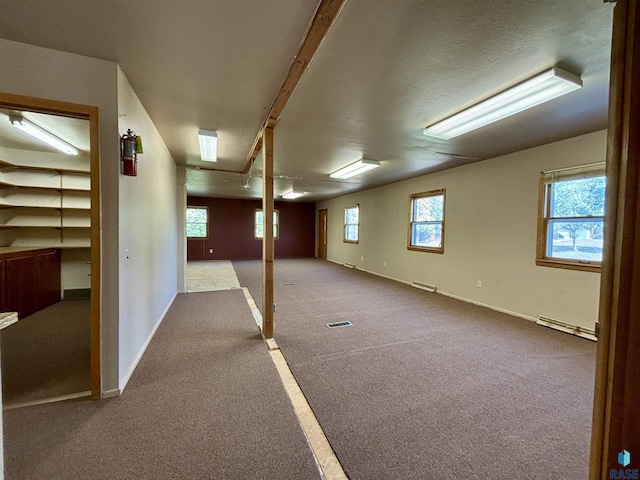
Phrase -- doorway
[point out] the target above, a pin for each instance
(50, 229)
(322, 234)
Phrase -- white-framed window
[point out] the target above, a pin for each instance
(258, 224)
(571, 209)
(426, 222)
(197, 220)
(351, 232)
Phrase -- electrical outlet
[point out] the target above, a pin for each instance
(127, 256)
(385, 263)
(479, 283)
(362, 259)
(211, 250)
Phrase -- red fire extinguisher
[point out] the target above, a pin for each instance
(128, 154)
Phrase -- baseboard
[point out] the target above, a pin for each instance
(134, 364)
(77, 294)
(457, 297)
(485, 305)
(60, 398)
(386, 276)
(114, 392)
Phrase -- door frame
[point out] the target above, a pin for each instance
(323, 216)
(90, 113)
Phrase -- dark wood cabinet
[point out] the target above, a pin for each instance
(30, 280)
(49, 280)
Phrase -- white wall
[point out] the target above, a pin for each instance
(490, 234)
(44, 73)
(148, 234)
(75, 268)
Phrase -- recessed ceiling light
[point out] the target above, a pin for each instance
(356, 168)
(534, 91)
(208, 145)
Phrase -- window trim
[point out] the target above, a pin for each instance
(198, 207)
(412, 198)
(544, 215)
(344, 227)
(277, 213)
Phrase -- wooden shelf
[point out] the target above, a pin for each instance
(6, 205)
(23, 184)
(4, 165)
(57, 227)
(6, 185)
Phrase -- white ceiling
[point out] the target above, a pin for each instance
(386, 70)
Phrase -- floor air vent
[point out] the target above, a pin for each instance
(339, 324)
(349, 265)
(287, 284)
(424, 286)
(567, 327)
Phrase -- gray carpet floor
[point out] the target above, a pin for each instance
(423, 386)
(205, 402)
(47, 354)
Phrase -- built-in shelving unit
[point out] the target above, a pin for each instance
(44, 206)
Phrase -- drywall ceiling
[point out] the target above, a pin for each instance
(386, 70)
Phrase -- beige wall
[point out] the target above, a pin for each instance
(44, 73)
(148, 232)
(490, 216)
(138, 214)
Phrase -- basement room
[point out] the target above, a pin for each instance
(324, 239)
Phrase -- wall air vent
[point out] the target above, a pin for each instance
(567, 327)
(424, 286)
(339, 324)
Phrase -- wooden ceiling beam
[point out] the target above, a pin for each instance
(320, 25)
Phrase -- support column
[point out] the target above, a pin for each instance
(267, 238)
(616, 414)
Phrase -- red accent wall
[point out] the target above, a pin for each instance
(231, 230)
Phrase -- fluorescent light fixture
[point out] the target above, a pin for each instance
(539, 89)
(356, 168)
(293, 194)
(41, 134)
(208, 145)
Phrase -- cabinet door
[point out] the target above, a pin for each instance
(21, 285)
(49, 282)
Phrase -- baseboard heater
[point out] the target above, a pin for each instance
(424, 286)
(567, 328)
(349, 265)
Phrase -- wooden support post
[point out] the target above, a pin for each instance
(267, 237)
(616, 414)
(318, 29)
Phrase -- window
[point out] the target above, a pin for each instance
(197, 222)
(258, 224)
(426, 227)
(351, 224)
(571, 218)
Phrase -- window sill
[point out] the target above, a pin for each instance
(425, 249)
(354, 242)
(585, 267)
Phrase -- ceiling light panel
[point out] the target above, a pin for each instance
(534, 91)
(208, 140)
(43, 135)
(356, 168)
(292, 194)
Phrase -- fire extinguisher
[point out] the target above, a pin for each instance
(128, 154)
